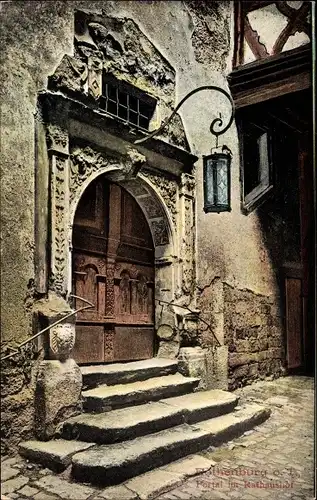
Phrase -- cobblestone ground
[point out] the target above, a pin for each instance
(274, 461)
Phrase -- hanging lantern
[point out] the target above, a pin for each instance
(217, 180)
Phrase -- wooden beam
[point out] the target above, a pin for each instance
(273, 90)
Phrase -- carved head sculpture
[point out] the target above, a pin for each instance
(62, 340)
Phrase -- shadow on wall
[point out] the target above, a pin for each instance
(282, 223)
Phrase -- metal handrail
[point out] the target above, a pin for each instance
(16, 349)
(192, 312)
(90, 305)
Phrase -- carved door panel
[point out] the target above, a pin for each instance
(113, 268)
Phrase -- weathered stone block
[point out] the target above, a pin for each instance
(217, 368)
(253, 370)
(168, 349)
(254, 345)
(273, 342)
(265, 309)
(254, 332)
(46, 312)
(242, 307)
(167, 318)
(274, 332)
(241, 371)
(243, 345)
(192, 363)
(264, 368)
(57, 395)
(238, 320)
(13, 484)
(275, 352)
(255, 320)
(8, 472)
(276, 310)
(262, 355)
(238, 359)
(12, 380)
(262, 344)
(241, 333)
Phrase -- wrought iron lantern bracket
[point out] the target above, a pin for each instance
(217, 122)
(217, 165)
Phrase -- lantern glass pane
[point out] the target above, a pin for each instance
(222, 181)
(209, 183)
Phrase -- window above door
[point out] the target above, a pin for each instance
(126, 102)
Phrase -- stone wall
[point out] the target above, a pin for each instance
(18, 376)
(194, 38)
(254, 336)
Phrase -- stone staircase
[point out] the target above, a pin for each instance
(139, 416)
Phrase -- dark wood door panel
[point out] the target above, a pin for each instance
(113, 268)
(133, 343)
(89, 344)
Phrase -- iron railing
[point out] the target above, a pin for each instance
(197, 313)
(90, 305)
(16, 349)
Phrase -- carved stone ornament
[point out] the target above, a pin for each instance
(85, 161)
(71, 74)
(134, 164)
(60, 221)
(109, 337)
(188, 244)
(168, 190)
(95, 77)
(188, 185)
(160, 232)
(62, 340)
(57, 138)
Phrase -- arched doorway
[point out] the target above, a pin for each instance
(113, 267)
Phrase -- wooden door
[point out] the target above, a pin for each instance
(299, 283)
(113, 267)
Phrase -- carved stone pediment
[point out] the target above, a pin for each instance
(126, 53)
(117, 47)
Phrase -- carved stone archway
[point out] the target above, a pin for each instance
(166, 199)
(159, 220)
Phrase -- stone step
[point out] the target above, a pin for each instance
(151, 484)
(122, 373)
(115, 463)
(105, 398)
(129, 423)
(55, 454)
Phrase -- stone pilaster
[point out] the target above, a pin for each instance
(187, 233)
(58, 149)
